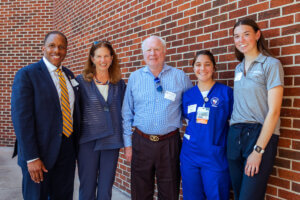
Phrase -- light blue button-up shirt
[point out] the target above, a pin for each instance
(149, 110)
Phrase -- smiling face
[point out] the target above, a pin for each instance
(154, 53)
(245, 39)
(204, 68)
(55, 49)
(102, 59)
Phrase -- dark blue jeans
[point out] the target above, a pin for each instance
(241, 140)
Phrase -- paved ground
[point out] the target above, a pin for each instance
(11, 177)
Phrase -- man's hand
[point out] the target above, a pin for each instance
(128, 153)
(36, 169)
(253, 162)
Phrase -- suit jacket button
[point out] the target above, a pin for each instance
(60, 134)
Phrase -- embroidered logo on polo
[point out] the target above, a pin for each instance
(214, 101)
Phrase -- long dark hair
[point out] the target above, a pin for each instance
(90, 69)
(209, 54)
(261, 43)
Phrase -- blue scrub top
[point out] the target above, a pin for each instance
(205, 144)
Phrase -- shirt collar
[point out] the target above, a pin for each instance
(165, 68)
(49, 65)
(260, 59)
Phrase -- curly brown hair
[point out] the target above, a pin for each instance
(114, 70)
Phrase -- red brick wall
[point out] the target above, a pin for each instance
(23, 25)
(187, 26)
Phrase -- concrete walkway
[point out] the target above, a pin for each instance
(11, 179)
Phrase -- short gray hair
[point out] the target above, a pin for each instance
(152, 37)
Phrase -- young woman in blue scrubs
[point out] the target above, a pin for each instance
(254, 130)
(207, 108)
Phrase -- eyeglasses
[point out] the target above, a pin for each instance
(158, 85)
(53, 46)
(102, 41)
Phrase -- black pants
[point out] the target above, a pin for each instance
(58, 182)
(241, 140)
(160, 159)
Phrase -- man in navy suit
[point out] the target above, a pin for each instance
(46, 154)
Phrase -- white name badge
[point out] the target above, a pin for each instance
(202, 115)
(74, 82)
(238, 76)
(257, 72)
(187, 136)
(187, 121)
(192, 108)
(170, 95)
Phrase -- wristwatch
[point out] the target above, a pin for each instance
(258, 149)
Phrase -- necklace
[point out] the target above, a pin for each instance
(101, 83)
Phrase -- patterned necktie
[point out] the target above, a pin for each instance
(65, 105)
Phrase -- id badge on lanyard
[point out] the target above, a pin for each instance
(202, 113)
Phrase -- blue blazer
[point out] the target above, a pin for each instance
(36, 114)
(101, 120)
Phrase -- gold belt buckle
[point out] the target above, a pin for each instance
(154, 138)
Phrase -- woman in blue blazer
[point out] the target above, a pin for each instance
(101, 97)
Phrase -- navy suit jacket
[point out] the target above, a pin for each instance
(36, 114)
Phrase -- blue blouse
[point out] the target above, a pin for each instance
(101, 120)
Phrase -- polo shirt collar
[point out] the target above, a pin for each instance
(261, 58)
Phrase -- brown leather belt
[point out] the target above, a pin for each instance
(156, 138)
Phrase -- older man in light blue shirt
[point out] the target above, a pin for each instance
(152, 105)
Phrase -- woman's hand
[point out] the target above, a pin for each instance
(253, 163)
(274, 103)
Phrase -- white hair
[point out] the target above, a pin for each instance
(154, 37)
